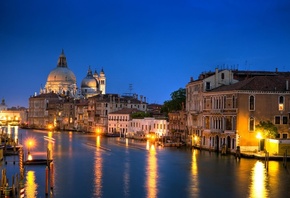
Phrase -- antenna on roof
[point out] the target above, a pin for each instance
(130, 87)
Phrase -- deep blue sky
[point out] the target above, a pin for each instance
(155, 45)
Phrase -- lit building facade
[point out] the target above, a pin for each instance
(100, 106)
(228, 114)
(118, 121)
(148, 125)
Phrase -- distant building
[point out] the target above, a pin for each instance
(118, 121)
(3, 106)
(146, 125)
(100, 106)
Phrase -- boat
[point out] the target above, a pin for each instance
(50, 139)
(112, 134)
(37, 162)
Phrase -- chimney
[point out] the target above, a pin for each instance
(287, 85)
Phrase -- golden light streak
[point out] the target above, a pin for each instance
(152, 173)
(98, 169)
(194, 173)
(258, 181)
(31, 186)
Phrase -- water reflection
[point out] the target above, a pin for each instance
(151, 171)
(98, 166)
(31, 186)
(259, 180)
(126, 174)
(194, 174)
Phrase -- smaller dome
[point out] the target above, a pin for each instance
(89, 81)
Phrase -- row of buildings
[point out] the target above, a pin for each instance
(222, 108)
(60, 105)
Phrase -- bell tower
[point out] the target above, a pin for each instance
(102, 81)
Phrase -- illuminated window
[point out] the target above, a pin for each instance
(252, 103)
(252, 124)
(281, 103)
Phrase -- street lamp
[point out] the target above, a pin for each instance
(30, 143)
(259, 137)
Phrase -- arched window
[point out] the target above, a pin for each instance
(281, 103)
(252, 103)
(281, 100)
(251, 124)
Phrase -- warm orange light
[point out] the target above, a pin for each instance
(50, 126)
(30, 143)
(259, 136)
(29, 157)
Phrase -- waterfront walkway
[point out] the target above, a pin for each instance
(263, 155)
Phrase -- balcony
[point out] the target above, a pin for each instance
(216, 111)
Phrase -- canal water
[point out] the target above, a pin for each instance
(87, 166)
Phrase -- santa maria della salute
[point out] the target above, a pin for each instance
(62, 105)
(61, 80)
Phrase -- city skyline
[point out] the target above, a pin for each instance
(155, 45)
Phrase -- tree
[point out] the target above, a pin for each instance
(268, 129)
(140, 115)
(176, 103)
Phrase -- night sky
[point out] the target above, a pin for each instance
(155, 45)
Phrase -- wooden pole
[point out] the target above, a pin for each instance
(46, 180)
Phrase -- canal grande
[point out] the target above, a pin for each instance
(86, 165)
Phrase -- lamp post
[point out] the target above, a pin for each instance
(259, 137)
(29, 144)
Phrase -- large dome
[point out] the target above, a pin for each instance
(61, 74)
(61, 79)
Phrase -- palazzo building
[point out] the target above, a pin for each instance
(224, 112)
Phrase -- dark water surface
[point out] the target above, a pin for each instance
(89, 166)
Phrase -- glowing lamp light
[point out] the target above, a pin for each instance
(259, 136)
(49, 126)
(29, 158)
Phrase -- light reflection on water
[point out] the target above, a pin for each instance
(31, 186)
(126, 171)
(98, 169)
(194, 174)
(259, 181)
(151, 171)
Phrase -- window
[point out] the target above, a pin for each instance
(281, 100)
(228, 123)
(222, 76)
(285, 135)
(207, 86)
(277, 119)
(285, 120)
(225, 102)
(252, 103)
(206, 122)
(251, 124)
(281, 103)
